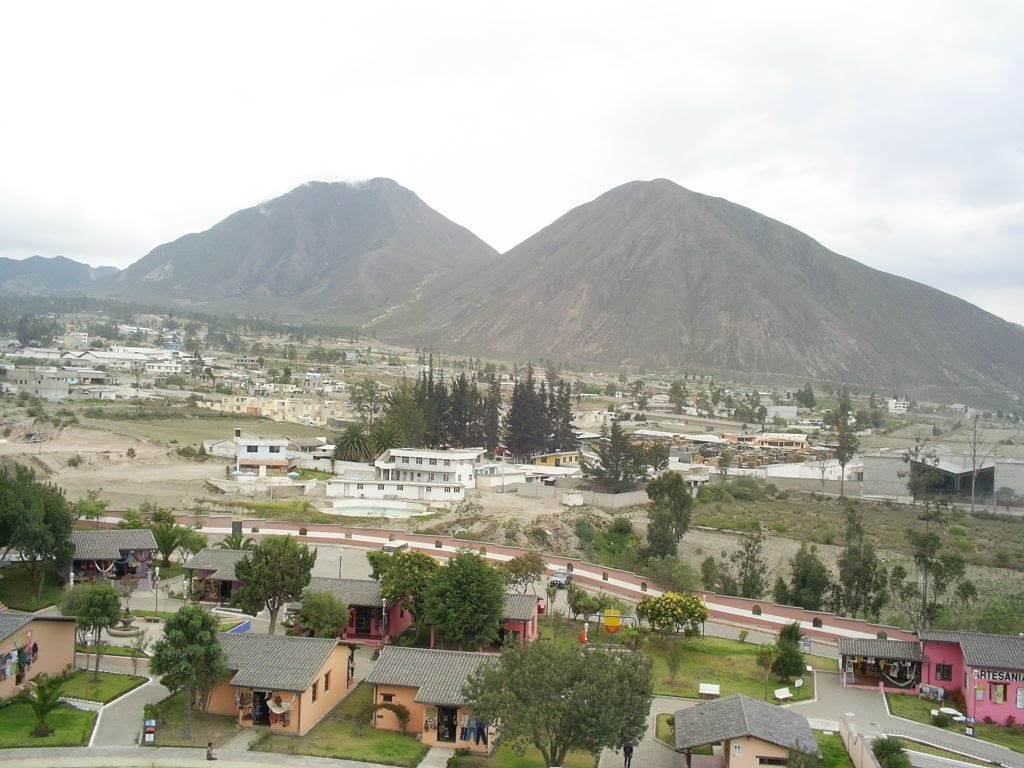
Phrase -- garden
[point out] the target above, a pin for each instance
(912, 708)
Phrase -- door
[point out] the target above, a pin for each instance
(447, 719)
(362, 620)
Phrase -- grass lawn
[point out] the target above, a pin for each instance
(504, 757)
(345, 733)
(18, 589)
(112, 650)
(913, 708)
(165, 615)
(833, 751)
(169, 717)
(224, 626)
(82, 685)
(71, 727)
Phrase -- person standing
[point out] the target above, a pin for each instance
(627, 754)
(209, 751)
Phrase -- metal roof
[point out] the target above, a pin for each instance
(518, 607)
(110, 543)
(902, 650)
(439, 675)
(351, 592)
(275, 662)
(221, 561)
(737, 716)
(981, 650)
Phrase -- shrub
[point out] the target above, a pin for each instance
(942, 720)
(744, 635)
(621, 525)
(74, 461)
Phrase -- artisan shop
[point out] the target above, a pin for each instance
(896, 664)
(284, 682)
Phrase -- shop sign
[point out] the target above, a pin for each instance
(999, 676)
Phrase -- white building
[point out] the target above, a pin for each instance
(421, 465)
(437, 494)
(898, 406)
(261, 454)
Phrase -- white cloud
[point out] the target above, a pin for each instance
(891, 133)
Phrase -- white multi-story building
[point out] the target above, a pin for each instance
(898, 406)
(422, 465)
(262, 454)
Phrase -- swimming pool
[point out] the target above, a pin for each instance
(364, 508)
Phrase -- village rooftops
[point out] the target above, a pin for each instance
(221, 561)
(518, 607)
(981, 650)
(275, 662)
(12, 621)
(439, 676)
(109, 544)
(362, 592)
(737, 716)
(894, 650)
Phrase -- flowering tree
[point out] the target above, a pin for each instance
(673, 612)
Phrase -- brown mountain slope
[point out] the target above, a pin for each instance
(350, 250)
(651, 273)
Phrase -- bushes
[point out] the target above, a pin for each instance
(890, 753)
(942, 720)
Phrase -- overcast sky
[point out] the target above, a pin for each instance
(893, 133)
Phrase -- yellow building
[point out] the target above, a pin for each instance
(557, 459)
(31, 645)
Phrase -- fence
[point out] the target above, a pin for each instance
(858, 745)
(591, 498)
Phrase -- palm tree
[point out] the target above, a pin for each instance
(236, 541)
(353, 444)
(767, 654)
(385, 435)
(43, 695)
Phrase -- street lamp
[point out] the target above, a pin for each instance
(340, 555)
(156, 587)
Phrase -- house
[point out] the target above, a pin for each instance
(416, 465)
(557, 459)
(373, 620)
(112, 552)
(213, 573)
(30, 645)
(896, 664)
(264, 455)
(429, 683)
(287, 683)
(898, 406)
(747, 733)
(518, 619)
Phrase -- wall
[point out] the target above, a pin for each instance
(56, 639)
(986, 706)
(750, 750)
(602, 500)
(858, 746)
(312, 712)
(943, 653)
(388, 721)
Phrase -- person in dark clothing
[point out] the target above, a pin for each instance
(209, 751)
(627, 754)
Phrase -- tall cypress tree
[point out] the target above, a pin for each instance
(492, 415)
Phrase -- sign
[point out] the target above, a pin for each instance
(612, 620)
(999, 676)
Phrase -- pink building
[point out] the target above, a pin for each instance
(518, 619)
(989, 669)
(373, 620)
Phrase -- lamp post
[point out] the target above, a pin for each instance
(156, 587)
(340, 556)
(383, 619)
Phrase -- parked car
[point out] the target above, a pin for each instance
(561, 579)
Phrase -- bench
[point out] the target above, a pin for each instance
(710, 690)
(783, 694)
(152, 619)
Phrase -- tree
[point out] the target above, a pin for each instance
(190, 541)
(492, 414)
(789, 662)
(672, 612)
(464, 601)
(92, 507)
(383, 436)
(42, 694)
(862, 579)
(353, 444)
(273, 573)
(810, 582)
(189, 658)
(847, 443)
(621, 465)
(522, 571)
(236, 541)
(752, 568)
(805, 397)
(559, 698)
(167, 537)
(99, 609)
(405, 579)
(921, 472)
(366, 399)
(579, 601)
(980, 452)
(404, 414)
(669, 512)
(767, 653)
(323, 614)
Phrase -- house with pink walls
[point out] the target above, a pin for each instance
(372, 619)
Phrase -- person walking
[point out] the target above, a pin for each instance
(209, 751)
(627, 754)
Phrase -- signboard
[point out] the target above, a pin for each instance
(999, 676)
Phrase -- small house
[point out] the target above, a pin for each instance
(213, 574)
(32, 644)
(112, 552)
(372, 618)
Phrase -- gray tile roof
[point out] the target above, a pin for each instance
(12, 621)
(980, 650)
(348, 591)
(439, 675)
(736, 716)
(903, 650)
(519, 607)
(275, 662)
(221, 561)
(108, 544)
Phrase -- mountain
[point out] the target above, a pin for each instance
(653, 274)
(57, 275)
(350, 250)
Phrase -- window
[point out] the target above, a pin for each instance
(405, 459)
(737, 749)
(419, 461)
(316, 690)
(944, 672)
(359, 486)
(387, 698)
(447, 462)
(400, 488)
(275, 449)
(447, 489)
(999, 693)
(251, 449)
(327, 681)
(431, 478)
(772, 760)
(433, 462)
(380, 487)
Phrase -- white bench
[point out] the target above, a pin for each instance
(711, 690)
(783, 694)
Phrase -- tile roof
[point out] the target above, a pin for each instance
(275, 662)
(221, 561)
(348, 591)
(12, 621)
(519, 607)
(737, 716)
(903, 650)
(981, 650)
(439, 675)
(107, 544)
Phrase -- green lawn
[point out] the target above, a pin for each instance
(71, 727)
(224, 626)
(913, 708)
(112, 650)
(346, 734)
(833, 751)
(82, 685)
(165, 615)
(219, 729)
(18, 590)
(504, 757)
